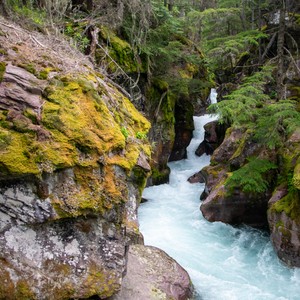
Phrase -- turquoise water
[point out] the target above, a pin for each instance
(224, 262)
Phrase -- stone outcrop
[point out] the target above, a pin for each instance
(184, 127)
(72, 168)
(152, 274)
(234, 206)
(213, 136)
(197, 178)
(284, 206)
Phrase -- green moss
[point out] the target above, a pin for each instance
(279, 224)
(100, 282)
(31, 115)
(43, 74)
(5, 139)
(290, 204)
(81, 126)
(29, 67)
(160, 84)
(121, 53)
(14, 158)
(2, 51)
(140, 178)
(159, 176)
(2, 70)
(241, 144)
(23, 291)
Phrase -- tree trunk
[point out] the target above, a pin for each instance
(243, 15)
(89, 5)
(171, 5)
(280, 53)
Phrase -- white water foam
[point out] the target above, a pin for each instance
(224, 262)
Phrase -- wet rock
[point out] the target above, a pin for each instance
(196, 178)
(285, 237)
(184, 127)
(235, 208)
(152, 274)
(213, 137)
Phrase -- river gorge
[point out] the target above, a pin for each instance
(224, 262)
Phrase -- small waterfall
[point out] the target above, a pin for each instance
(213, 96)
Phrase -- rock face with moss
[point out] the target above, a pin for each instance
(227, 196)
(73, 161)
(284, 206)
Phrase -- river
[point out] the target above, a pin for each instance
(224, 262)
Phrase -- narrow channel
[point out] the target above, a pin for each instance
(224, 262)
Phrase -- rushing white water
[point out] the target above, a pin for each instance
(224, 262)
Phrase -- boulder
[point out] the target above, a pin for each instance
(284, 224)
(235, 209)
(196, 178)
(285, 237)
(213, 137)
(152, 274)
(235, 206)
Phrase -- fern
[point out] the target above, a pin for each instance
(250, 178)
(275, 122)
(241, 106)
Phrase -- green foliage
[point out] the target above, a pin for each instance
(290, 204)
(250, 178)
(275, 122)
(241, 107)
(250, 107)
(77, 33)
(5, 140)
(36, 15)
(225, 51)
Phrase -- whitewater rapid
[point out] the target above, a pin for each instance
(224, 262)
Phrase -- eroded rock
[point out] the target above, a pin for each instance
(152, 274)
(213, 137)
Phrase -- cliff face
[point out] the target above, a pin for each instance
(73, 162)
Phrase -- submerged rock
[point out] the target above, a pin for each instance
(152, 274)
